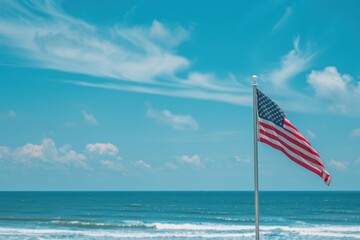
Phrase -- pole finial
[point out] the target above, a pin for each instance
(254, 78)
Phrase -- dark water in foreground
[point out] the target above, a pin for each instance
(178, 215)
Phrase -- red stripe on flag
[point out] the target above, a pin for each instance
(297, 142)
(296, 132)
(295, 151)
(280, 148)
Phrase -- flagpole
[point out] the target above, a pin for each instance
(256, 179)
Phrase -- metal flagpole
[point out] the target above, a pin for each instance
(256, 180)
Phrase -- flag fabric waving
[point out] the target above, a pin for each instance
(275, 129)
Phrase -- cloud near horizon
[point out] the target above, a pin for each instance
(102, 148)
(240, 159)
(143, 164)
(112, 165)
(338, 164)
(48, 153)
(191, 160)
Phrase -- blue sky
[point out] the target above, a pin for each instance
(157, 95)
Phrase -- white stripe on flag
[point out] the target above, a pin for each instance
(295, 146)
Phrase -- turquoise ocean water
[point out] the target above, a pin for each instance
(178, 215)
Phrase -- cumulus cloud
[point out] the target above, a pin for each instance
(338, 164)
(102, 148)
(46, 151)
(29, 151)
(106, 154)
(176, 121)
(89, 117)
(193, 160)
(140, 58)
(143, 164)
(112, 165)
(340, 91)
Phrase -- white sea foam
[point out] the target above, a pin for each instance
(223, 227)
(229, 219)
(318, 231)
(202, 227)
(170, 230)
(49, 233)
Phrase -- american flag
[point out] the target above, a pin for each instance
(275, 129)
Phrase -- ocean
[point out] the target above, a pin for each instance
(178, 215)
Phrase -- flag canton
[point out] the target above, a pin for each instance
(269, 110)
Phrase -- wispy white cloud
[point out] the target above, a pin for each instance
(176, 121)
(59, 41)
(311, 133)
(143, 164)
(355, 132)
(340, 91)
(5, 152)
(136, 58)
(11, 114)
(171, 166)
(238, 97)
(89, 117)
(208, 137)
(278, 81)
(283, 19)
(293, 63)
(192, 160)
(338, 164)
(161, 33)
(242, 160)
(69, 124)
